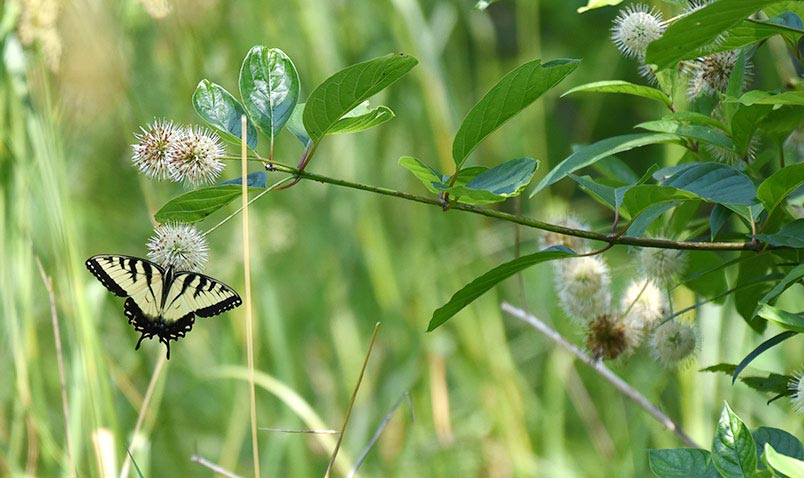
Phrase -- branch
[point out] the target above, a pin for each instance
(611, 239)
(598, 366)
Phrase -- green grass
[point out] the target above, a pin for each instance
(490, 396)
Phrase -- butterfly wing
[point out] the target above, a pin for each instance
(125, 276)
(192, 293)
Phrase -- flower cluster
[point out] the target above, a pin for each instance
(180, 246)
(183, 154)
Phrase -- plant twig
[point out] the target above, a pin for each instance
(146, 400)
(293, 430)
(405, 396)
(60, 360)
(352, 401)
(255, 449)
(212, 466)
(598, 366)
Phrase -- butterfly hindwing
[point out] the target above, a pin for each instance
(161, 303)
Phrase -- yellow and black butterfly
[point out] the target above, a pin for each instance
(160, 302)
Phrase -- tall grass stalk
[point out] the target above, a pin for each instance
(255, 449)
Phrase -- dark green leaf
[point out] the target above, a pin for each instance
(781, 121)
(343, 91)
(744, 124)
(684, 37)
(704, 274)
(752, 267)
(196, 205)
(782, 318)
(624, 87)
(503, 181)
(616, 169)
(222, 112)
(269, 86)
(715, 182)
(771, 342)
(790, 235)
(589, 154)
(746, 33)
(647, 217)
(773, 383)
(717, 219)
(783, 464)
(257, 179)
(733, 449)
(362, 118)
(780, 440)
(470, 292)
(682, 463)
(760, 97)
(775, 189)
(691, 131)
(727, 368)
(639, 198)
(516, 90)
(603, 193)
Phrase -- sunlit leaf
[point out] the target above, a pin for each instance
(775, 189)
(423, 172)
(792, 277)
(759, 97)
(269, 86)
(222, 112)
(624, 87)
(783, 463)
(733, 449)
(780, 440)
(362, 118)
(782, 318)
(516, 90)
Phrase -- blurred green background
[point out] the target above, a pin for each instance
(490, 396)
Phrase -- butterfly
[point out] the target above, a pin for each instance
(161, 302)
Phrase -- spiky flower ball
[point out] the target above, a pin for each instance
(194, 157)
(644, 303)
(634, 29)
(662, 265)
(610, 337)
(556, 239)
(711, 74)
(797, 387)
(674, 343)
(180, 246)
(150, 152)
(583, 285)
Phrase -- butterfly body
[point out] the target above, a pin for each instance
(161, 302)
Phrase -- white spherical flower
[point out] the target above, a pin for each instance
(194, 157)
(180, 246)
(662, 265)
(645, 304)
(608, 337)
(149, 154)
(634, 29)
(583, 285)
(711, 74)
(557, 239)
(674, 343)
(797, 387)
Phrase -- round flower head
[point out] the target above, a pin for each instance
(673, 343)
(634, 28)
(556, 239)
(195, 157)
(180, 246)
(711, 74)
(662, 265)
(583, 285)
(796, 386)
(609, 337)
(149, 154)
(645, 305)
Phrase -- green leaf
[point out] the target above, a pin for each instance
(775, 189)
(781, 121)
(639, 198)
(504, 181)
(684, 37)
(782, 463)
(516, 90)
(296, 125)
(714, 182)
(759, 350)
(780, 440)
(485, 282)
(346, 89)
(682, 463)
(589, 154)
(717, 219)
(790, 235)
(222, 112)
(727, 368)
(423, 172)
(744, 124)
(691, 131)
(759, 97)
(782, 318)
(269, 86)
(792, 277)
(196, 205)
(773, 383)
(593, 4)
(257, 179)
(601, 192)
(362, 118)
(624, 87)
(733, 449)
(752, 266)
(747, 33)
(704, 274)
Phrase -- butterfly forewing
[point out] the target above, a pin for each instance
(128, 276)
(198, 294)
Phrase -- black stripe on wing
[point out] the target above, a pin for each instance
(100, 264)
(156, 326)
(201, 289)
